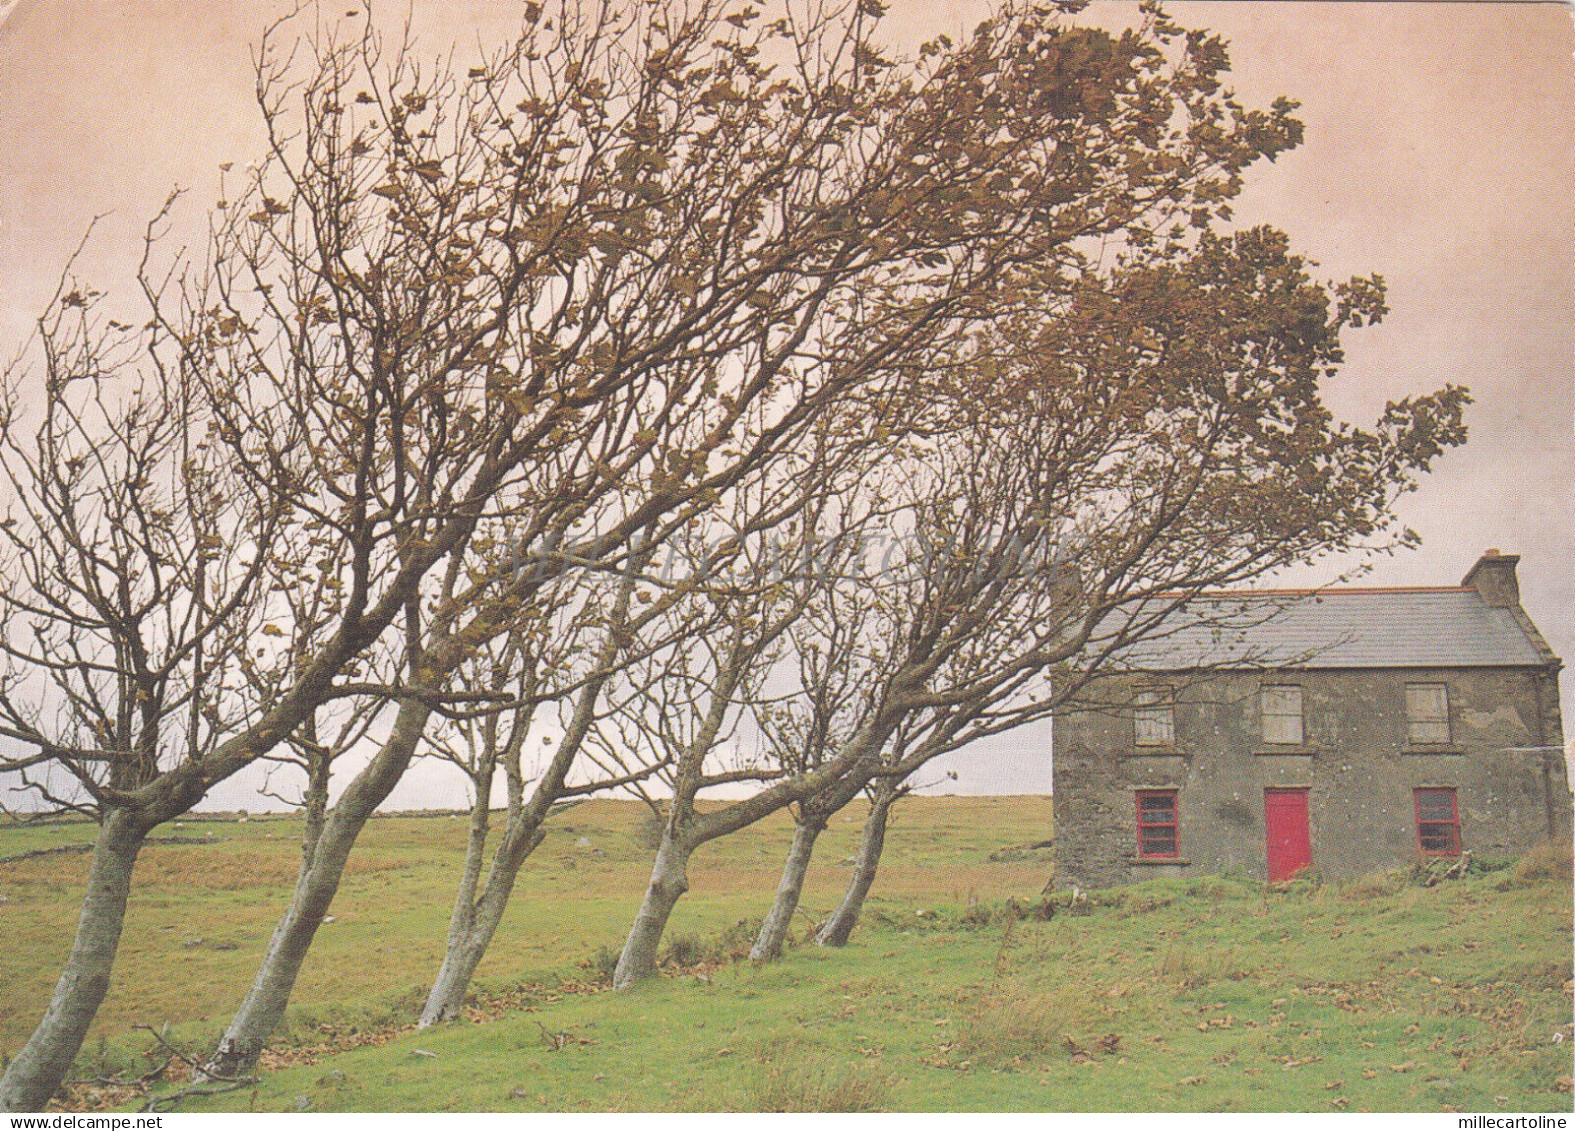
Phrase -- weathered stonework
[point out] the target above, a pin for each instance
(1503, 759)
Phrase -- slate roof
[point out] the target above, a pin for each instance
(1341, 628)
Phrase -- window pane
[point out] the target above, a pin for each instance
(1157, 806)
(1435, 811)
(1155, 726)
(1427, 713)
(1439, 838)
(1427, 702)
(1437, 822)
(1157, 842)
(1282, 701)
(1156, 823)
(1282, 728)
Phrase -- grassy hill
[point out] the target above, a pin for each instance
(1212, 994)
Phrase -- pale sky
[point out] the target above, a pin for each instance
(1440, 153)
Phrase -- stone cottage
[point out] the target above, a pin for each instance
(1333, 732)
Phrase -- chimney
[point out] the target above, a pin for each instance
(1494, 578)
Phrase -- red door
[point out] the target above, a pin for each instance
(1285, 819)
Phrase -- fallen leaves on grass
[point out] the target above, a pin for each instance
(1289, 1062)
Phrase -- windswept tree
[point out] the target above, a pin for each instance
(569, 676)
(789, 538)
(138, 562)
(1093, 470)
(837, 689)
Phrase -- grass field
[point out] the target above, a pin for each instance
(1208, 995)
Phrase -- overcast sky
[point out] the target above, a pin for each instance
(1440, 153)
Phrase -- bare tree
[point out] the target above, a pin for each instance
(614, 634)
(803, 732)
(137, 564)
(1161, 436)
(836, 930)
(789, 537)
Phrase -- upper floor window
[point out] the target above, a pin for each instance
(1437, 822)
(1154, 719)
(1156, 824)
(1426, 713)
(1281, 707)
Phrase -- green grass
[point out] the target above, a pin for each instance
(1206, 995)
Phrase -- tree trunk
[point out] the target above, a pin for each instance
(669, 881)
(315, 888)
(774, 930)
(443, 1002)
(319, 771)
(475, 922)
(835, 931)
(669, 878)
(36, 1073)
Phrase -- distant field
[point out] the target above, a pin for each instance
(1216, 994)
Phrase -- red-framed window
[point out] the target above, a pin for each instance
(1156, 824)
(1437, 822)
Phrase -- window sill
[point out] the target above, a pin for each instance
(1159, 861)
(1425, 751)
(1299, 750)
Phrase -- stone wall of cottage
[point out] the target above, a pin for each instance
(1355, 761)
